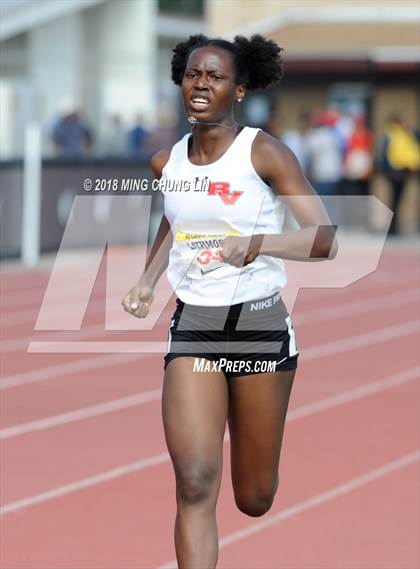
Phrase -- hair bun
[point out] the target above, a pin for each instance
(261, 61)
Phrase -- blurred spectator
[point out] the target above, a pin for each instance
(114, 140)
(296, 140)
(325, 145)
(400, 157)
(70, 136)
(138, 137)
(358, 168)
(358, 158)
(345, 125)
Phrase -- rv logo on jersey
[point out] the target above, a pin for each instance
(222, 189)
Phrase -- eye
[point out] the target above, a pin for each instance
(191, 74)
(217, 77)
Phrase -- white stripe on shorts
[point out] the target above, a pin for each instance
(292, 340)
(168, 349)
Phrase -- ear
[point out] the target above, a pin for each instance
(240, 92)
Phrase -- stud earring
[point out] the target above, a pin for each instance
(239, 100)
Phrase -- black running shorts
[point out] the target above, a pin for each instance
(242, 339)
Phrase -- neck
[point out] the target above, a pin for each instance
(210, 141)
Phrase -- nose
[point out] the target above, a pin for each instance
(201, 83)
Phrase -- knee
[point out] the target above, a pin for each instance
(195, 483)
(256, 502)
(255, 506)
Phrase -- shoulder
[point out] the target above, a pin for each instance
(159, 161)
(161, 158)
(270, 153)
(264, 142)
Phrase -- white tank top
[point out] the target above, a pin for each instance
(203, 205)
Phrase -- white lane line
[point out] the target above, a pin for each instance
(293, 415)
(98, 346)
(83, 413)
(361, 341)
(370, 388)
(358, 306)
(155, 394)
(327, 313)
(22, 316)
(86, 482)
(21, 343)
(25, 316)
(128, 347)
(16, 344)
(19, 296)
(25, 297)
(346, 344)
(60, 370)
(323, 497)
(314, 501)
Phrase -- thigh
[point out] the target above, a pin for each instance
(257, 413)
(194, 409)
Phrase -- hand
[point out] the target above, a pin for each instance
(137, 302)
(241, 251)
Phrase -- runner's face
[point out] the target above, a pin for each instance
(208, 86)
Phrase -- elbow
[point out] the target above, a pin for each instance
(325, 252)
(326, 244)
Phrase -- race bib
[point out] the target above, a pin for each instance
(204, 252)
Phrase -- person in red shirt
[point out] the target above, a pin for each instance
(358, 168)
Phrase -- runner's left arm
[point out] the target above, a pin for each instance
(315, 240)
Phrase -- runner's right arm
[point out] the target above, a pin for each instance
(158, 258)
(138, 300)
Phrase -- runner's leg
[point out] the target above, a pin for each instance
(257, 412)
(194, 407)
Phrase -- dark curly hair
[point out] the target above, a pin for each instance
(258, 61)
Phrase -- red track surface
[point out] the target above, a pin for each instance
(92, 486)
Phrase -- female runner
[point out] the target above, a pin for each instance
(232, 354)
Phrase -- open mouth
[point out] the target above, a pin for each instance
(199, 103)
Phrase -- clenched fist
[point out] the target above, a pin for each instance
(137, 302)
(240, 251)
